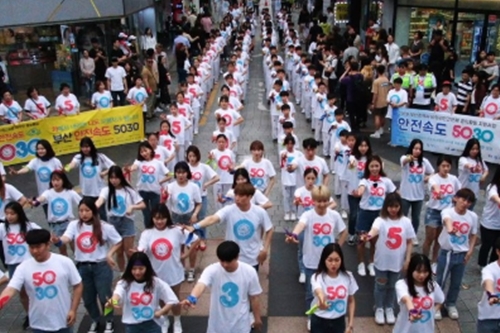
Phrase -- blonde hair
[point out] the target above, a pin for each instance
(321, 193)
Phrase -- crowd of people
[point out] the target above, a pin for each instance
(172, 194)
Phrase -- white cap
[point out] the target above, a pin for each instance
(122, 35)
(132, 37)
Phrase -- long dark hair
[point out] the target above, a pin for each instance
(86, 141)
(142, 259)
(359, 141)
(115, 171)
(22, 219)
(496, 180)
(372, 158)
(95, 221)
(327, 250)
(419, 261)
(243, 173)
(163, 212)
(409, 151)
(468, 147)
(50, 151)
(61, 175)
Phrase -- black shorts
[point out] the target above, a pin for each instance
(380, 112)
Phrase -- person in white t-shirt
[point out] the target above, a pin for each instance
(222, 129)
(310, 160)
(47, 278)
(61, 198)
(334, 288)
(223, 161)
(10, 110)
(392, 254)
(179, 126)
(490, 222)
(144, 298)
(117, 82)
(96, 243)
(397, 98)
(235, 289)
(446, 101)
(261, 170)
(457, 241)
(418, 296)
(168, 140)
(101, 99)
(288, 179)
(488, 317)
(415, 173)
(36, 106)
(490, 106)
(443, 187)
(241, 176)
(66, 103)
(472, 170)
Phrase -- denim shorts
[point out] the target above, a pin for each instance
(433, 218)
(149, 326)
(181, 218)
(365, 219)
(59, 228)
(12, 269)
(123, 225)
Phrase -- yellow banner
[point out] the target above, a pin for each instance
(107, 127)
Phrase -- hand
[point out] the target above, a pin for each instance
(261, 258)
(111, 261)
(467, 257)
(71, 318)
(291, 239)
(349, 329)
(158, 314)
(193, 219)
(323, 304)
(54, 239)
(188, 228)
(492, 300)
(257, 324)
(414, 315)
(12, 171)
(130, 210)
(186, 304)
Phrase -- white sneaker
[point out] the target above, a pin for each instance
(177, 325)
(344, 214)
(452, 312)
(93, 327)
(434, 267)
(389, 316)
(381, 131)
(302, 278)
(166, 325)
(309, 325)
(415, 242)
(371, 269)
(437, 315)
(293, 217)
(362, 272)
(287, 217)
(190, 275)
(333, 172)
(110, 327)
(351, 241)
(375, 135)
(379, 316)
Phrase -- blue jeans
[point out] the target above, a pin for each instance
(450, 264)
(353, 213)
(488, 326)
(300, 254)
(309, 292)
(385, 291)
(416, 208)
(151, 199)
(365, 219)
(149, 326)
(62, 330)
(97, 279)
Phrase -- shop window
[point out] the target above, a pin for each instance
(490, 5)
(426, 20)
(430, 3)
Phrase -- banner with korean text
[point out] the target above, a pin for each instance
(446, 133)
(106, 127)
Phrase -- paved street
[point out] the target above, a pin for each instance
(283, 296)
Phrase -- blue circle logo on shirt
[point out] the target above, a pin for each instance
(183, 202)
(44, 174)
(104, 101)
(243, 230)
(140, 97)
(395, 99)
(59, 207)
(120, 205)
(88, 170)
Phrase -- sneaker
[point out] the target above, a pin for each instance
(415, 242)
(287, 217)
(333, 172)
(110, 327)
(302, 278)
(26, 323)
(371, 269)
(351, 241)
(190, 275)
(389, 316)
(379, 316)
(94, 327)
(293, 217)
(177, 325)
(343, 214)
(362, 271)
(381, 131)
(166, 325)
(437, 315)
(375, 135)
(452, 312)
(309, 325)
(434, 267)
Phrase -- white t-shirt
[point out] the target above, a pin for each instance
(116, 76)
(138, 96)
(43, 170)
(466, 224)
(102, 100)
(486, 311)
(11, 194)
(140, 306)
(37, 108)
(230, 115)
(491, 107)
(355, 174)
(164, 249)
(150, 173)
(305, 197)
(230, 297)
(185, 108)
(339, 127)
(397, 97)
(179, 125)
(491, 210)
(329, 118)
(337, 291)
(390, 249)
(424, 302)
(14, 245)
(260, 172)
(60, 205)
(319, 231)
(67, 105)
(168, 142)
(224, 160)
(374, 195)
(87, 248)
(200, 175)
(289, 178)
(446, 103)
(412, 179)
(124, 197)
(448, 187)
(91, 181)
(11, 111)
(182, 199)
(47, 285)
(341, 160)
(469, 177)
(246, 228)
(318, 163)
(2, 170)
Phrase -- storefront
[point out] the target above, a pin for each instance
(469, 25)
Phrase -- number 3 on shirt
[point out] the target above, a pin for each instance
(230, 296)
(394, 238)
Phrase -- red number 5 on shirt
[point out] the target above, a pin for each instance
(394, 240)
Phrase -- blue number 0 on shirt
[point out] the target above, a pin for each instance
(230, 296)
